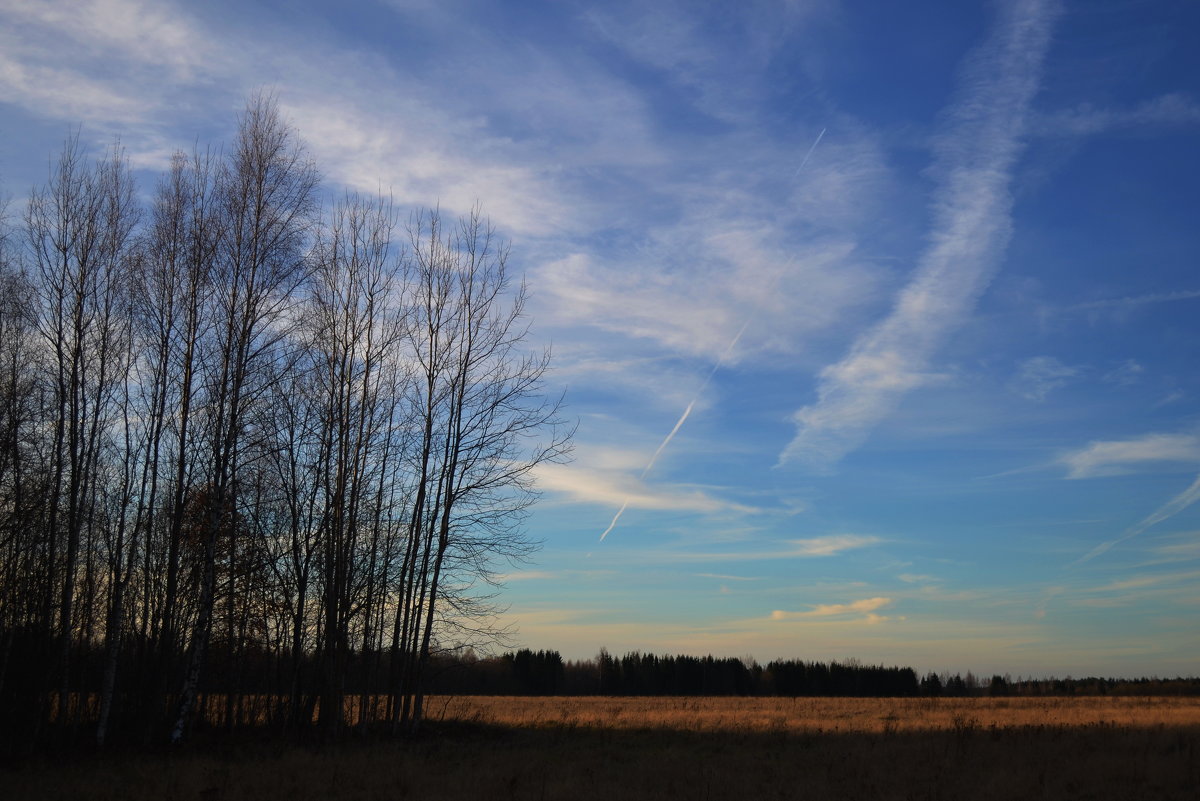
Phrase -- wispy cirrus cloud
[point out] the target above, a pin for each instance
(972, 211)
(672, 37)
(690, 286)
(584, 485)
(131, 31)
(1163, 589)
(119, 69)
(1154, 580)
(517, 132)
(526, 575)
(832, 545)
(865, 608)
(32, 85)
(125, 67)
(1120, 457)
(1039, 376)
(108, 64)
(1122, 308)
(1126, 374)
(526, 132)
(1183, 551)
(809, 548)
(1173, 109)
(415, 152)
(916, 578)
(728, 577)
(549, 575)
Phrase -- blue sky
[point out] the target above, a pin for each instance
(923, 276)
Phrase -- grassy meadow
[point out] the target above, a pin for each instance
(694, 748)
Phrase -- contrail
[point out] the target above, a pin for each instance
(663, 444)
(617, 517)
(1169, 509)
(809, 153)
(678, 423)
(721, 361)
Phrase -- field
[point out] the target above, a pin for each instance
(694, 748)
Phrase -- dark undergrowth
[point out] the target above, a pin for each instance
(470, 761)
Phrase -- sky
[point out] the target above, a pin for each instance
(910, 288)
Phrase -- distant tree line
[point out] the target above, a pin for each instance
(545, 672)
(258, 452)
(527, 672)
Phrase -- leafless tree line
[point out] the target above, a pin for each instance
(259, 457)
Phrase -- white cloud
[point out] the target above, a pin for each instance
(119, 68)
(543, 575)
(525, 131)
(133, 68)
(1036, 378)
(585, 485)
(1184, 551)
(972, 209)
(1175, 110)
(1119, 457)
(813, 548)
(668, 36)
(1161, 589)
(1173, 396)
(1122, 308)
(728, 577)
(1141, 582)
(695, 284)
(66, 91)
(526, 575)
(423, 156)
(112, 32)
(1125, 374)
(832, 545)
(866, 607)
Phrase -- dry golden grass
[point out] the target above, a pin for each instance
(815, 715)
(613, 749)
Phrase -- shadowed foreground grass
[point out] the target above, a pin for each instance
(969, 757)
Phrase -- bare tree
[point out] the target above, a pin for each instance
(20, 414)
(173, 315)
(267, 195)
(78, 229)
(251, 466)
(355, 332)
(483, 416)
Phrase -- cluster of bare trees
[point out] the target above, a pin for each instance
(258, 457)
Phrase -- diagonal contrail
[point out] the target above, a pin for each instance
(616, 517)
(679, 423)
(804, 161)
(721, 361)
(663, 444)
(1169, 509)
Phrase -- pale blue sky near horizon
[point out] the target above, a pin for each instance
(938, 258)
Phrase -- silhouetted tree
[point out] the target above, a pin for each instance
(253, 463)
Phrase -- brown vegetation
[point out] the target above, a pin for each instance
(607, 748)
(818, 715)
